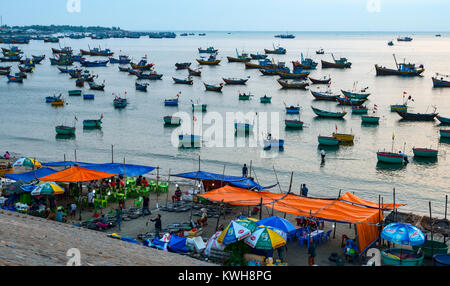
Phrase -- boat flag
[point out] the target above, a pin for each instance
(375, 107)
(336, 127)
(393, 136)
(194, 118)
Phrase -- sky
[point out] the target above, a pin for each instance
(234, 15)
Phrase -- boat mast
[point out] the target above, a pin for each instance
(396, 64)
(333, 57)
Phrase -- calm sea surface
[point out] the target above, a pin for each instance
(27, 123)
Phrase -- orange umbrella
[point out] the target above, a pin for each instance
(76, 174)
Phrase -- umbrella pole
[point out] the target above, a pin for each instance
(334, 228)
(260, 208)
(395, 212)
(167, 194)
(157, 186)
(379, 217)
(220, 211)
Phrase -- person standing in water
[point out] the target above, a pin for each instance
(322, 154)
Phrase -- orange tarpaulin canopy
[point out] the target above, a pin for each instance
(76, 174)
(351, 198)
(366, 218)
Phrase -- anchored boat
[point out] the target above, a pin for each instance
(341, 63)
(328, 114)
(265, 99)
(324, 80)
(327, 140)
(324, 95)
(389, 157)
(425, 152)
(370, 119)
(403, 69)
(417, 116)
(294, 84)
(93, 123)
(172, 120)
(188, 80)
(141, 86)
(65, 130)
(182, 66)
(235, 80)
(210, 87)
(440, 80)
(120, 102)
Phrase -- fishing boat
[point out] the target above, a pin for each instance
(211, 61)
(244, 96)
(5, 68)
(417, 116)
(328, 114)
(341, 63)
(349, 101)
(25, 69)
(182, 66)
(120, 102)
(327, 140)
(342, 137)
(294, 84)
(61, 61)
(141, 86)
(370, 119)
(262, 64)
(209, 50)
(38, 59)
(305, 63)
(293, 124)
(265, 99)
(443, 120)
(389, 157)
(324, 95)
(285, 36)
(240, 58)
(320, 52)
(88, 96)
(77, 58)
(65, 130)
(79, 82)
(123, 60)
(243, 127)
(65, 50)
(95, 86)
(292, 109)
(188, 80)
(273, 143)
(97, 52)
(92, 123)
(276, 51)
(172, 120)
(425, 152)
(445, 133)
(324, 80)
(258, 56)
(57, 102)
(440, 80)
(362, 94)
(400, 107)
(404, 39)
(134, 72)
(11, 59)
(402, 69)
(192, 72)
(51, 40)
(12, 78)
(199, 107)
(189, 140)
(171, 102)
(123, 69)
(75, 92)
(150, 76)
(235, 80)
(12, 50)
(269, 71)
(390, 43)
(85, 63)
(296, 74)
(211, 87)
(4, 72)
(359, 109)
(142, 65)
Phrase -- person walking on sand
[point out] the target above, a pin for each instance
(311, 252)
(304, 190)
(119, 217)
(158, 224)
(145, 206)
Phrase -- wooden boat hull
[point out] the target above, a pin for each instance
(65, 130)
(96, 86)
(344, 137)
(194, 73)
(443, 120)
(319, 81)
(444, 133)
(209, 63)
(210, 87)
(350, 102)
(275, 52)
(322, 96)
(417, 116)
(286, 84)
(238, 60)
(235, 82)
(391, 158)
(440, 83)
(57, 103)
(182, 81)
(359, 110)
(328, 141)
(354, 95)
(92, 123)
(171, 102)
(182, 66)
(88, 96)
(149, 76)
(385, 71)
(172, 120)
(370, 119)
(293, 75)
(326, 64)
(294, 124)
(258, 56)
(327, 114)
(424, 152)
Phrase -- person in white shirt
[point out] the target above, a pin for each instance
(322, 154)
(91, 199)
(73, 209)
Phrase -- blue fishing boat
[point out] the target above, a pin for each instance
(209, 50)
(123, 60)
(402, 69)
(341, 63)
(171, 102)
(353, 94)
(425, 152)
(188, 80)
(12, 78)
(149, 76)
(440, 80)
(53, 98)
(359, 109)
(349, 101)
(77, 58)
(235, 80)
(141, 86)
(88, 96)
(328, 114)
(120, 102)
(211, 87)
(276, 51)
(305, 63)
(93, 123)
(292, 109)
(417, 116)
(324, 95)
(390, 43)
(404, 39)
(94, 63)
(182, 66)
(296, 74)
(258, 56)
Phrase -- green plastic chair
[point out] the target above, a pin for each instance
(138, 202)
(152, 185)
(104, 203)
(163, 187)
(97, 202)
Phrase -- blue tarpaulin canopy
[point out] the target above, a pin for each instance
(241, 182)
(118, 169)
(30, 176)
(66, 164)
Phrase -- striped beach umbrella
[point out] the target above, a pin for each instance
(27, 162)
(234, 232)
(265, 238)
(403, 233)
(47, 188)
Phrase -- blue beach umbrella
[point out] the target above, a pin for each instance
(403, 233)
(278, 222)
